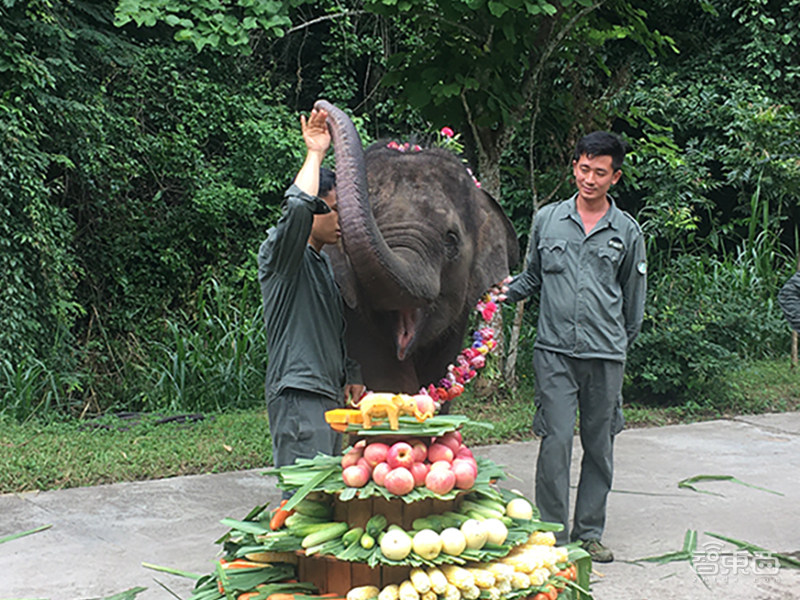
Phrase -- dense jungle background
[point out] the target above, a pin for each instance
(146, 145)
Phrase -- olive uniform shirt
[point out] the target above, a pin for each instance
(303, 309)
(592, 287)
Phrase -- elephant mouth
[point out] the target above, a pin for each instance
(406, 329)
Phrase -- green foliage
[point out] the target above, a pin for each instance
(224, 25)
(703, 318)
(212, 361)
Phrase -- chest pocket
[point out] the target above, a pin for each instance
(609, 259)
(553, 254)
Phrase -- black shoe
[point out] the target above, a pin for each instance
(597, 551)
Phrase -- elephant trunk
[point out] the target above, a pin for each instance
(391, 281)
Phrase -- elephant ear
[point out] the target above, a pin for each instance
(343, 273)
(497, 245)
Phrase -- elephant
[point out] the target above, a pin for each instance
(420, 244)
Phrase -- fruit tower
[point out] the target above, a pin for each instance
(406, 513)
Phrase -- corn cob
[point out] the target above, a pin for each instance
(539, 576)
(420, 580)
(520, 581)
(458, 576)
(438, 580)
(471, 593)
(542, 538)
(390, 592)
(494, 593)
(429, 595)
(484, 578)
(408, 591)
(451, 593)
(364, 592)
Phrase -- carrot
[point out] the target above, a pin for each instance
(280, 596)
(241, 563)
(279, 516)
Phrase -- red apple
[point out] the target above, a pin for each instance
(375, 452)
(363, 462)
(400, 454)
(425, 404)
(400, 481)
(420, 449)
(355, 476)
(438, 452)
(465, 474)
(441, 464)
(419, 470)
(473, 464)
(451, 439)
(440, 481)
(351, 457)
(379, 472)
(464, 452)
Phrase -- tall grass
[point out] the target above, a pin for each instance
(212, 360)
(209, 359)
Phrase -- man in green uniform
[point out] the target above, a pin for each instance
(308, 370)
(587, 264)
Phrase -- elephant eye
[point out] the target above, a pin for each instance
(452, 244)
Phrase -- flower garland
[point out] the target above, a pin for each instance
(472, 358)
(447, 139)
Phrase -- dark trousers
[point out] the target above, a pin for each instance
(298, 428)
(564, 386)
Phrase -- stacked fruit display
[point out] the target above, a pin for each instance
(440, 464)
(438, 529)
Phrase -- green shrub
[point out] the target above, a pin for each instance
(702, 318)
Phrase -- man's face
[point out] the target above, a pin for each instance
(325, 229)
(594, 176)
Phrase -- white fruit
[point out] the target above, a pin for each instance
(453, 541)
(519, 508)
(427, 543)
(396, 544)
(475, 534)
(497, 532)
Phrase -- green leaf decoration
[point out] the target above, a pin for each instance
(689, 481)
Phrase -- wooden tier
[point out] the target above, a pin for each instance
(332, 575)
(357, 512)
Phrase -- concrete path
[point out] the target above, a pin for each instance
(99, 537)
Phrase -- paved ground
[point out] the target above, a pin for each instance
(100, 536)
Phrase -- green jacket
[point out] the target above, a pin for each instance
(591, 287)
(303, 309)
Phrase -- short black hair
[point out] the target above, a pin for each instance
(602, 143)
(327, 181)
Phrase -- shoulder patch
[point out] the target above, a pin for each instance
(642, 267)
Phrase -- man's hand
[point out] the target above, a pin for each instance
(315, 131)
(353, 393)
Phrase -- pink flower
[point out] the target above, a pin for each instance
(447, 132)
(488, 311)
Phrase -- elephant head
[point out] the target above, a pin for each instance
(420, 244)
